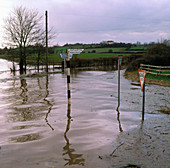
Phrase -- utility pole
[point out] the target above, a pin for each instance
(46, 21)
(68, 78)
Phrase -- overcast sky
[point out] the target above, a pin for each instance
(93, 21)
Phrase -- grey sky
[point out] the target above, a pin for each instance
(90, 21)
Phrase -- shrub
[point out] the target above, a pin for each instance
(110, 51)
(158, 55)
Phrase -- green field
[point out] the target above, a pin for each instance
(158, 77)
(90, 52)
(56, 58)
(138, 47)
(86, 54)
(96, 50)
(93, 53)
(101, 50)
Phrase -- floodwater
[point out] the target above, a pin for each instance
(38, 129)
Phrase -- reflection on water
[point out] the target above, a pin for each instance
(24, 90)
(23, 114)
(21, 105)
(27, 105)
(25, 138)
(74, 159)
(118, 119)
(48, 103)
(32, 110)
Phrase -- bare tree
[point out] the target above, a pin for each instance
(23, 27)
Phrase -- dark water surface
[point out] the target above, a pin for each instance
(38, 129)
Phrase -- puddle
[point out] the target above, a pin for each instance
(36, 119)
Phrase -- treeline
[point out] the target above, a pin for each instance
(29, 50)
(106, 45)
(158, 55)
(54, 49)
(100, 45)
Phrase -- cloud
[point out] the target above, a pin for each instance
(130, 15)
(98, 20)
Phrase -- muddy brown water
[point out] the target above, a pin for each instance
(39, 130)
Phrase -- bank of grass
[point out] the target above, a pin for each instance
(161, 71)
(158, 55)
(158, 77)
(150, 78)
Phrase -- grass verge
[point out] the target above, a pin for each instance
(150, 79)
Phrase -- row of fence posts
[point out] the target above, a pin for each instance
(142, 75)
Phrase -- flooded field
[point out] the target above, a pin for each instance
(40, 130)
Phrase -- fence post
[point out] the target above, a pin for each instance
(160, 70)
(142, 75)
(143, 107)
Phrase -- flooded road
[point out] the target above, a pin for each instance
(39, 129)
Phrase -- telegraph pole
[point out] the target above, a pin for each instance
(68, 78)
(46, 26)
